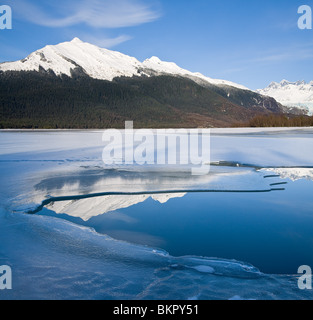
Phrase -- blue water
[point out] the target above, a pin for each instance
(273, 231)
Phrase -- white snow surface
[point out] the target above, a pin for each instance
(88, 208)
(159, 66)
(291, 94)
(99, 63)
(54, 259)
(294, 173)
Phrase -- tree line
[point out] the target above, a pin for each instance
(43, 100)
(281, 120)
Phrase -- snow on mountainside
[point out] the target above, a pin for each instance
(159, 66)
(100, 63)
(291, 94)
(88, 208)
(62, 58)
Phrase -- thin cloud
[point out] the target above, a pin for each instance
(274, 57)
(293, 55)
(285, 54)
(104, 42)
(93, 13)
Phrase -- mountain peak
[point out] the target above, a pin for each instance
(154, 59)
(99, 63)
(297, 83)
(291, 94)
(76, 40)
(273, 84)
(285, 82)
(301, 83)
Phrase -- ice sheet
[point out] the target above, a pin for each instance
(55, 259)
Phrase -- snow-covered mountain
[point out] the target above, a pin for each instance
(131, 90)
(159, 67)
(100, 63)
(291, 94)
(63, 58)
(88, 208)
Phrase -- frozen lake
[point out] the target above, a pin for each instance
(146, 232)
(273, 231)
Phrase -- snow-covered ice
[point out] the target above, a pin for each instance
(55, 259)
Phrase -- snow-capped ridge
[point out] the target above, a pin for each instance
(164, 67)
(291, 94)
(285, 82)
(76, 40)
(102, 64)
(153, 59)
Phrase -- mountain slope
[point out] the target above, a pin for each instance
(99, 63)
(292, 94)
(43, 100)
(78, 85)
(65, 57)
(155, 67)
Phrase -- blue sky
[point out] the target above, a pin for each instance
(246, 41)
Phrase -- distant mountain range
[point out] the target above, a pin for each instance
(293, 94)
(79, 85)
